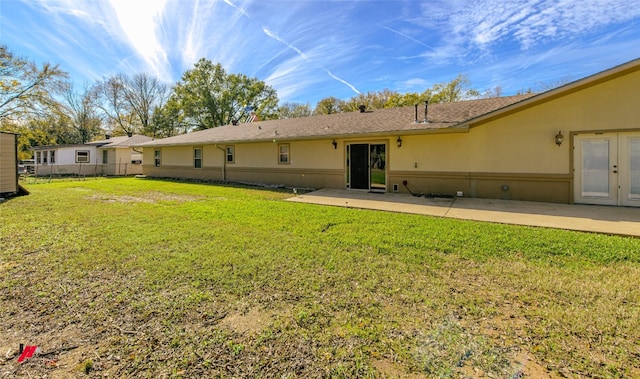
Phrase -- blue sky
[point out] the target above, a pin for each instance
(310, 49)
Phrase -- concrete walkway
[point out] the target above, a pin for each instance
(588, 218)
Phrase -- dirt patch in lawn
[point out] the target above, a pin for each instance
(250, 323)
(149, 197)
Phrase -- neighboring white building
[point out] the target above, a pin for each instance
(110, 156)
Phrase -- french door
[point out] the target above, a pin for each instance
(607, 169)
(366, 166)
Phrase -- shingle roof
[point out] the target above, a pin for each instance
(122, 141)
(375, 122)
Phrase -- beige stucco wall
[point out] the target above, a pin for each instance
(119, 162)
(432, 152)
(513, 156)
(312, 163)
(524, 142)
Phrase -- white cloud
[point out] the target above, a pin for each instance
(480, 26)
(139, 22)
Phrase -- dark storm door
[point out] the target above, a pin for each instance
(359, 166)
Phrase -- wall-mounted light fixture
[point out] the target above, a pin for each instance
(559, 138)
(335, 144)
(399, 141)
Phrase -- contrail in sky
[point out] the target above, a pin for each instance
(406, 36)
(271, 34)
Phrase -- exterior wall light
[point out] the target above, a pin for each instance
(335, 144)
(559, 138)
(399, 141)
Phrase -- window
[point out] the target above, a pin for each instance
(82, 156)
(105, 156)
(283, 154)
(38, 157)
(230, 154)
(156, 157)
(52, 157)
(44, 157)
(197, 157)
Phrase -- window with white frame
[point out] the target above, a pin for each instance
(52, 156)
(197, 157)
(38, 157)
(156, 157)
(82, 156)
(44, 156)
(283, 153)
(230, 154)
(105, 156)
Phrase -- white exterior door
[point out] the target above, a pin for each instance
(630, 170)
(607, 169)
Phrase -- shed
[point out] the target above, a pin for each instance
(8, 164)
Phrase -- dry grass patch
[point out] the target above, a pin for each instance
(187, 285)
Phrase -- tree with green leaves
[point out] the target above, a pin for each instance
(455, 90)
(328, 105)
(168, 120)
(293, 110)
(209, 97)
(26, 89)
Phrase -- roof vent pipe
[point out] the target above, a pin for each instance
(426, 105)
(129, 134)
(362, 108)
(107, 136)
(416, 121)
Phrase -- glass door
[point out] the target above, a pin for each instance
(630, 170)
(378, 171)
(359, 166)
(607, 169)
(367, 166)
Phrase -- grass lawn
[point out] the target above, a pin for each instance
(146, 278)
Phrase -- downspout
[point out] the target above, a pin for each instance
(224, 162)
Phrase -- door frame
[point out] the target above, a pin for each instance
(349, 161)
(619, 168)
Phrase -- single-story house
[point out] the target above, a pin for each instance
(8, 164)
(109, 156)
(578, 143)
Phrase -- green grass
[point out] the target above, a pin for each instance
(149, 278)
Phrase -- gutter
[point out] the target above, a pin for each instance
(453, 128)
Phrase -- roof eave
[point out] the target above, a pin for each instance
(453, 128)
(554, 93)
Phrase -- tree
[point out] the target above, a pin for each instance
(493, 92)
(82, 111)
(145, 94)
(168, 120)
(547, 86)
(403, 100)
(209, 97)
(371, 100)
(455, 90)
(111, 96)
(26, 89)
(328, 105)
(292, 110)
